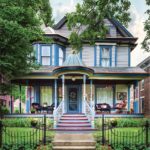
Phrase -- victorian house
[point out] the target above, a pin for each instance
(75, 82)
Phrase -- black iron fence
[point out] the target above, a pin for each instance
(24, 138)
(113, 136)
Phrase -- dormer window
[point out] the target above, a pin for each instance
(46, 58)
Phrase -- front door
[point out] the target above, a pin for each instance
(73, 103)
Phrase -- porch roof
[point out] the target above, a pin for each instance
(102, 73)
(97, 70)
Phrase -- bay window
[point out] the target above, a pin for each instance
(46, 55)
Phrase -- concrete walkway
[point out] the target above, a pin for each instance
(74, 141)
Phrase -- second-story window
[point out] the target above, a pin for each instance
(105, 59)
(45, 55)
(60, 57)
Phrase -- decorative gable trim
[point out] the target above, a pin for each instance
(121, 28)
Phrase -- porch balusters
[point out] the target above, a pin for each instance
(84, 93)
(63, 92)
(91, 93)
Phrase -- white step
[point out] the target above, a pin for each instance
(74, 125)
(73, 147)
(74, 121)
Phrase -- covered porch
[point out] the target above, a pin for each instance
(75, 88)
(72, 91)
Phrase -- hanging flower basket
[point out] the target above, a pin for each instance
(114, 123)
(34, 123)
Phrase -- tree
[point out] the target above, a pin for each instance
(90, 15)
(20, 26)
(146, 42)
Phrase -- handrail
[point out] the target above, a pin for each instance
(57, 113)
(90, 113)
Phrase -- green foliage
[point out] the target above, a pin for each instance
(16, 92)
(131, 147)
(122, 147)
(18, 147)
(20, 26)
(5, 110)
(122, 122)
(26, 147)
(25, 122)
(146, 42)
(90, 15)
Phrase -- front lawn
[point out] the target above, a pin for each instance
(127, 134)
(25, 137)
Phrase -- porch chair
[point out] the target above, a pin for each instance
(37, 107)
(51, 107)
(103, 107)
(120, 106)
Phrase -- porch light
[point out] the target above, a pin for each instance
(73, 78)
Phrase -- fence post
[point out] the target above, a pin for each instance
(1, 133)
(146, 132)
(44, 134)
(103, 128)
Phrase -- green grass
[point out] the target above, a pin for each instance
(25, 136)
(122, 136)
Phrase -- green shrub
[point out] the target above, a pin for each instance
(25, 122)
(122, 122)
(4, 110)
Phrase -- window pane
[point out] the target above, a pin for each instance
(105, 62)
(46, 95)
(60, 56)
(105, 95)
(45, 51)
(105, 53)
(45, 60)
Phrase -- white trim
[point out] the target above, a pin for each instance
(105, 44)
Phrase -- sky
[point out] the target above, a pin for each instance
(136, 26)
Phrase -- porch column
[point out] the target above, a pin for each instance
(30, 96)
(136, 95)
(55, 85)
(91, 91)
(84, 93)
(63, 93)
(129, 101)
(20, 98)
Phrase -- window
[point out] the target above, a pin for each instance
(142, 84)
(45, 55)
(104, 94)
(46, 95)
(60, 57)
(105, 57)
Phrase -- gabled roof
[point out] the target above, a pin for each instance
(60, 23)
(115, 22)
(121, 28)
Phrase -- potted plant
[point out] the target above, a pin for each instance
(34, 123)
(33, 111)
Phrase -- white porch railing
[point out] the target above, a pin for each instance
(57, 113)
(89, 113)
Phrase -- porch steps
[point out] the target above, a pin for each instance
(80, 141)
(74, 122)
